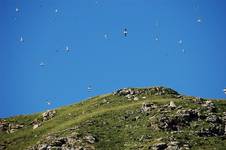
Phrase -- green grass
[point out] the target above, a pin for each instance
(112, 131)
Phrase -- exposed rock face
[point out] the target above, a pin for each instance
(172, 105)
(48, 115)
(213, 130)
(9, 127)
(75, 142)
(147, 107)
(209, 105)
(159, 146)
(129, 92)
(36, 125)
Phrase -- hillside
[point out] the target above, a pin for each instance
(128, 119)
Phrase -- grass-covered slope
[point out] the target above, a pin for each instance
(147, 118)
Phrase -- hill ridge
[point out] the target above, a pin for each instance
(129, 118)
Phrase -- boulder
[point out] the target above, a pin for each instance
(36, 125)
(172, 105)
(48, 115)
(213, 118)
(147, 107)
(90, 139)
(213, 130)
(136, 98)
(159, 146)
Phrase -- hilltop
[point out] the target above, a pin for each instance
(131, 118)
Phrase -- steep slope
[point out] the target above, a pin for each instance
(132, 118)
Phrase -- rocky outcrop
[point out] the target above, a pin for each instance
(147, 107)
(48, 115)
(9, 127)
(74, 141)
(133, 92)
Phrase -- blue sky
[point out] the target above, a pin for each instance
(175, 43)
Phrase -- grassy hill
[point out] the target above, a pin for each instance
(128, 119)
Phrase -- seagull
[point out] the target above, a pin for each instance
(180, 42)
(105, 36)
(21, 39)
(48, 102)
(156, 38)
(89, 88)
(199, 20)
(125, 32)
(17, 10)
(56, 10)
(67, 49)
(42, 64)
(224, 90)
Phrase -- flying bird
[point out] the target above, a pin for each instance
(48, 102)
(67, 49)
(125, 32)
(224, 90)
(89, 88)
(17, 10)
(42, 64)
(21, 39)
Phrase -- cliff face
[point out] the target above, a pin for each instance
(131, 118)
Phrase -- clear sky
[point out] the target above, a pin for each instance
(53, 50)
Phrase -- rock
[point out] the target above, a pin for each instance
(151, 91)
(4, 126)
(136, 98)
(173, 145)
(159, 146)
(36, 125)
(147, 107)
(177, 122)
(188, 114)
(90, 139)
(172, 105)
(2, 147)
(213, 130)
(9, 127)
(210, 106)
(213, 119)
(43, 147)
(59, 142)
(125, 91)
(129, 96)
(48, 115)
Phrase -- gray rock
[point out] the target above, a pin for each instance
(213, 119)
(172, 105)
(48, 115)
(159, 146)
(147, 107)
(90, 139)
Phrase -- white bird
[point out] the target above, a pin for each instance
(199, 20)
(21, 39)
(180, 42)
(42, 64)
(105, 36)
(56, 10)
(17, 10)
(156, 38)
(125, 32)
(224, 90)
(67, 49)
(89, 88)
(48, 102)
